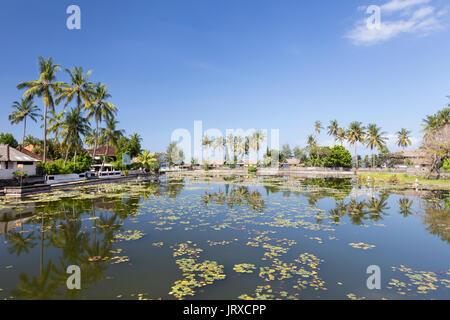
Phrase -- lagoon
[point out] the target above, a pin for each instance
(267, 238)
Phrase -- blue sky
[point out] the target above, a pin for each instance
(278, 64)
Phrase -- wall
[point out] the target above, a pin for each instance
(12, 166)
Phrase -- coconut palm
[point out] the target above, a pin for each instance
(256, 139)
(55, 122)
(147, 160)
(340, 135)
(79, 88)
(239, 145)
(317, 128)
(355, 134)
(46, 86)
(219, 143)
(73, 128)
(311, 142)
(207, 143)
(100, 109)
(110, 136)
(374, 139)
(23, 109)
(333, 129)
(403, 139)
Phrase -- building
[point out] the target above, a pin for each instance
(287, 163)
(12, 160)
(102, 151)
(416, 158)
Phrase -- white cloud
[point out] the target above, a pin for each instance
(399, 17)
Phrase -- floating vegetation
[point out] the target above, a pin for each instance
(352, 296)
(244, 268)
(186, 249)
(421, 282)
(158, 244)
(361, 245)
(129, 235)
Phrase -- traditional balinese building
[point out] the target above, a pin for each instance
(287, 163)
(103, 151)
(417, 158)
(12, 160)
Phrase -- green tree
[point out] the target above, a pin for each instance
(110, 136)
(286, 152)
(8, 138)
(340, 136)
(174, 154)
(44, 87)
(256, 140)
(99, 109)
(23, 110)
(355, 134)
(403, 138)
(73, 128)
(374, 139)
(80, 88)
(338, 157)
(333, 129)
(148, 161)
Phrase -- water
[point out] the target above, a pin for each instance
(180, 239)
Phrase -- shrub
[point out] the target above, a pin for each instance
(338, 157)
(125, 173)
(206, 167)
(393, 179)
(252, 169)
(83, 164)
(446, 165)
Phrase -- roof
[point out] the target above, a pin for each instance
(31, 154)
(213, 162)
(101, 151)
(8, 153)
(291, 161)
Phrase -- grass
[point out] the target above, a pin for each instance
(395, 178)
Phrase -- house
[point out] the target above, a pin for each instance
(29, 152)
(213, 163)
(12, 160)
(248, 162)
(101, 151)
(418, 158)
(287, 163)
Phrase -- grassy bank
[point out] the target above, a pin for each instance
(393, 178)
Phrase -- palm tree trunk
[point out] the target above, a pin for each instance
(67, 156)
(96, 138)
(24, 130)
(356, 157)
(45, 132)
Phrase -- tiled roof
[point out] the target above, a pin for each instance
(8, 153)
(102, 150)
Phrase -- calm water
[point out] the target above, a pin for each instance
(180, 239)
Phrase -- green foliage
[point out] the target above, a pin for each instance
(206, 167)
(83, 164)
(8, 138)
(446, 165)
(252, 169)
(338, 157)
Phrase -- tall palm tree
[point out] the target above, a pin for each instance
(256, 139)
(355, 134)
(74, 127)
(340, 135)
(239, 145)
(317, 128)
(311, 142)
(24, 109)
(374, 139)
(207, 143)
(110, 135)
(100, 109)
(333, 129)
(219, 143)
(403, 139)
(79, 88)
(55, 122)
(44, 87)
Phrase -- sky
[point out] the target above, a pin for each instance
(278, 64)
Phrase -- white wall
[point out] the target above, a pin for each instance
(12, 166)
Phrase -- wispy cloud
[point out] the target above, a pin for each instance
(398, 17)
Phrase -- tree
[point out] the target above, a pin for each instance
(311, 144)
(55, 122)
(355, 134)
(333, 129)
(299, 154)
(148, 161)
(8, 138)
(403, 139)
(99, 109)
(79, 88)
(256, 139)
(134, 145)
(174, 154)
(110, 136)
(74, 127)
(286, 152)
(23, 109)
(340, 136)
(207, 143)
(338, 157)
(44, 87)
(374, 139)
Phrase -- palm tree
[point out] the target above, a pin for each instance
(24, 109)
(311, 142)
(374, 139)
(355, 134)
(99, 109)
(403, 139)
(79, 88)
(340, 135)
(55, 122)
(318, 128)
(147, 160)
(239, 145)
(256, 139)
(333, 129)
(207, 143)
(110, 135)
(44, 87)
(219, 143)
(74, 126)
